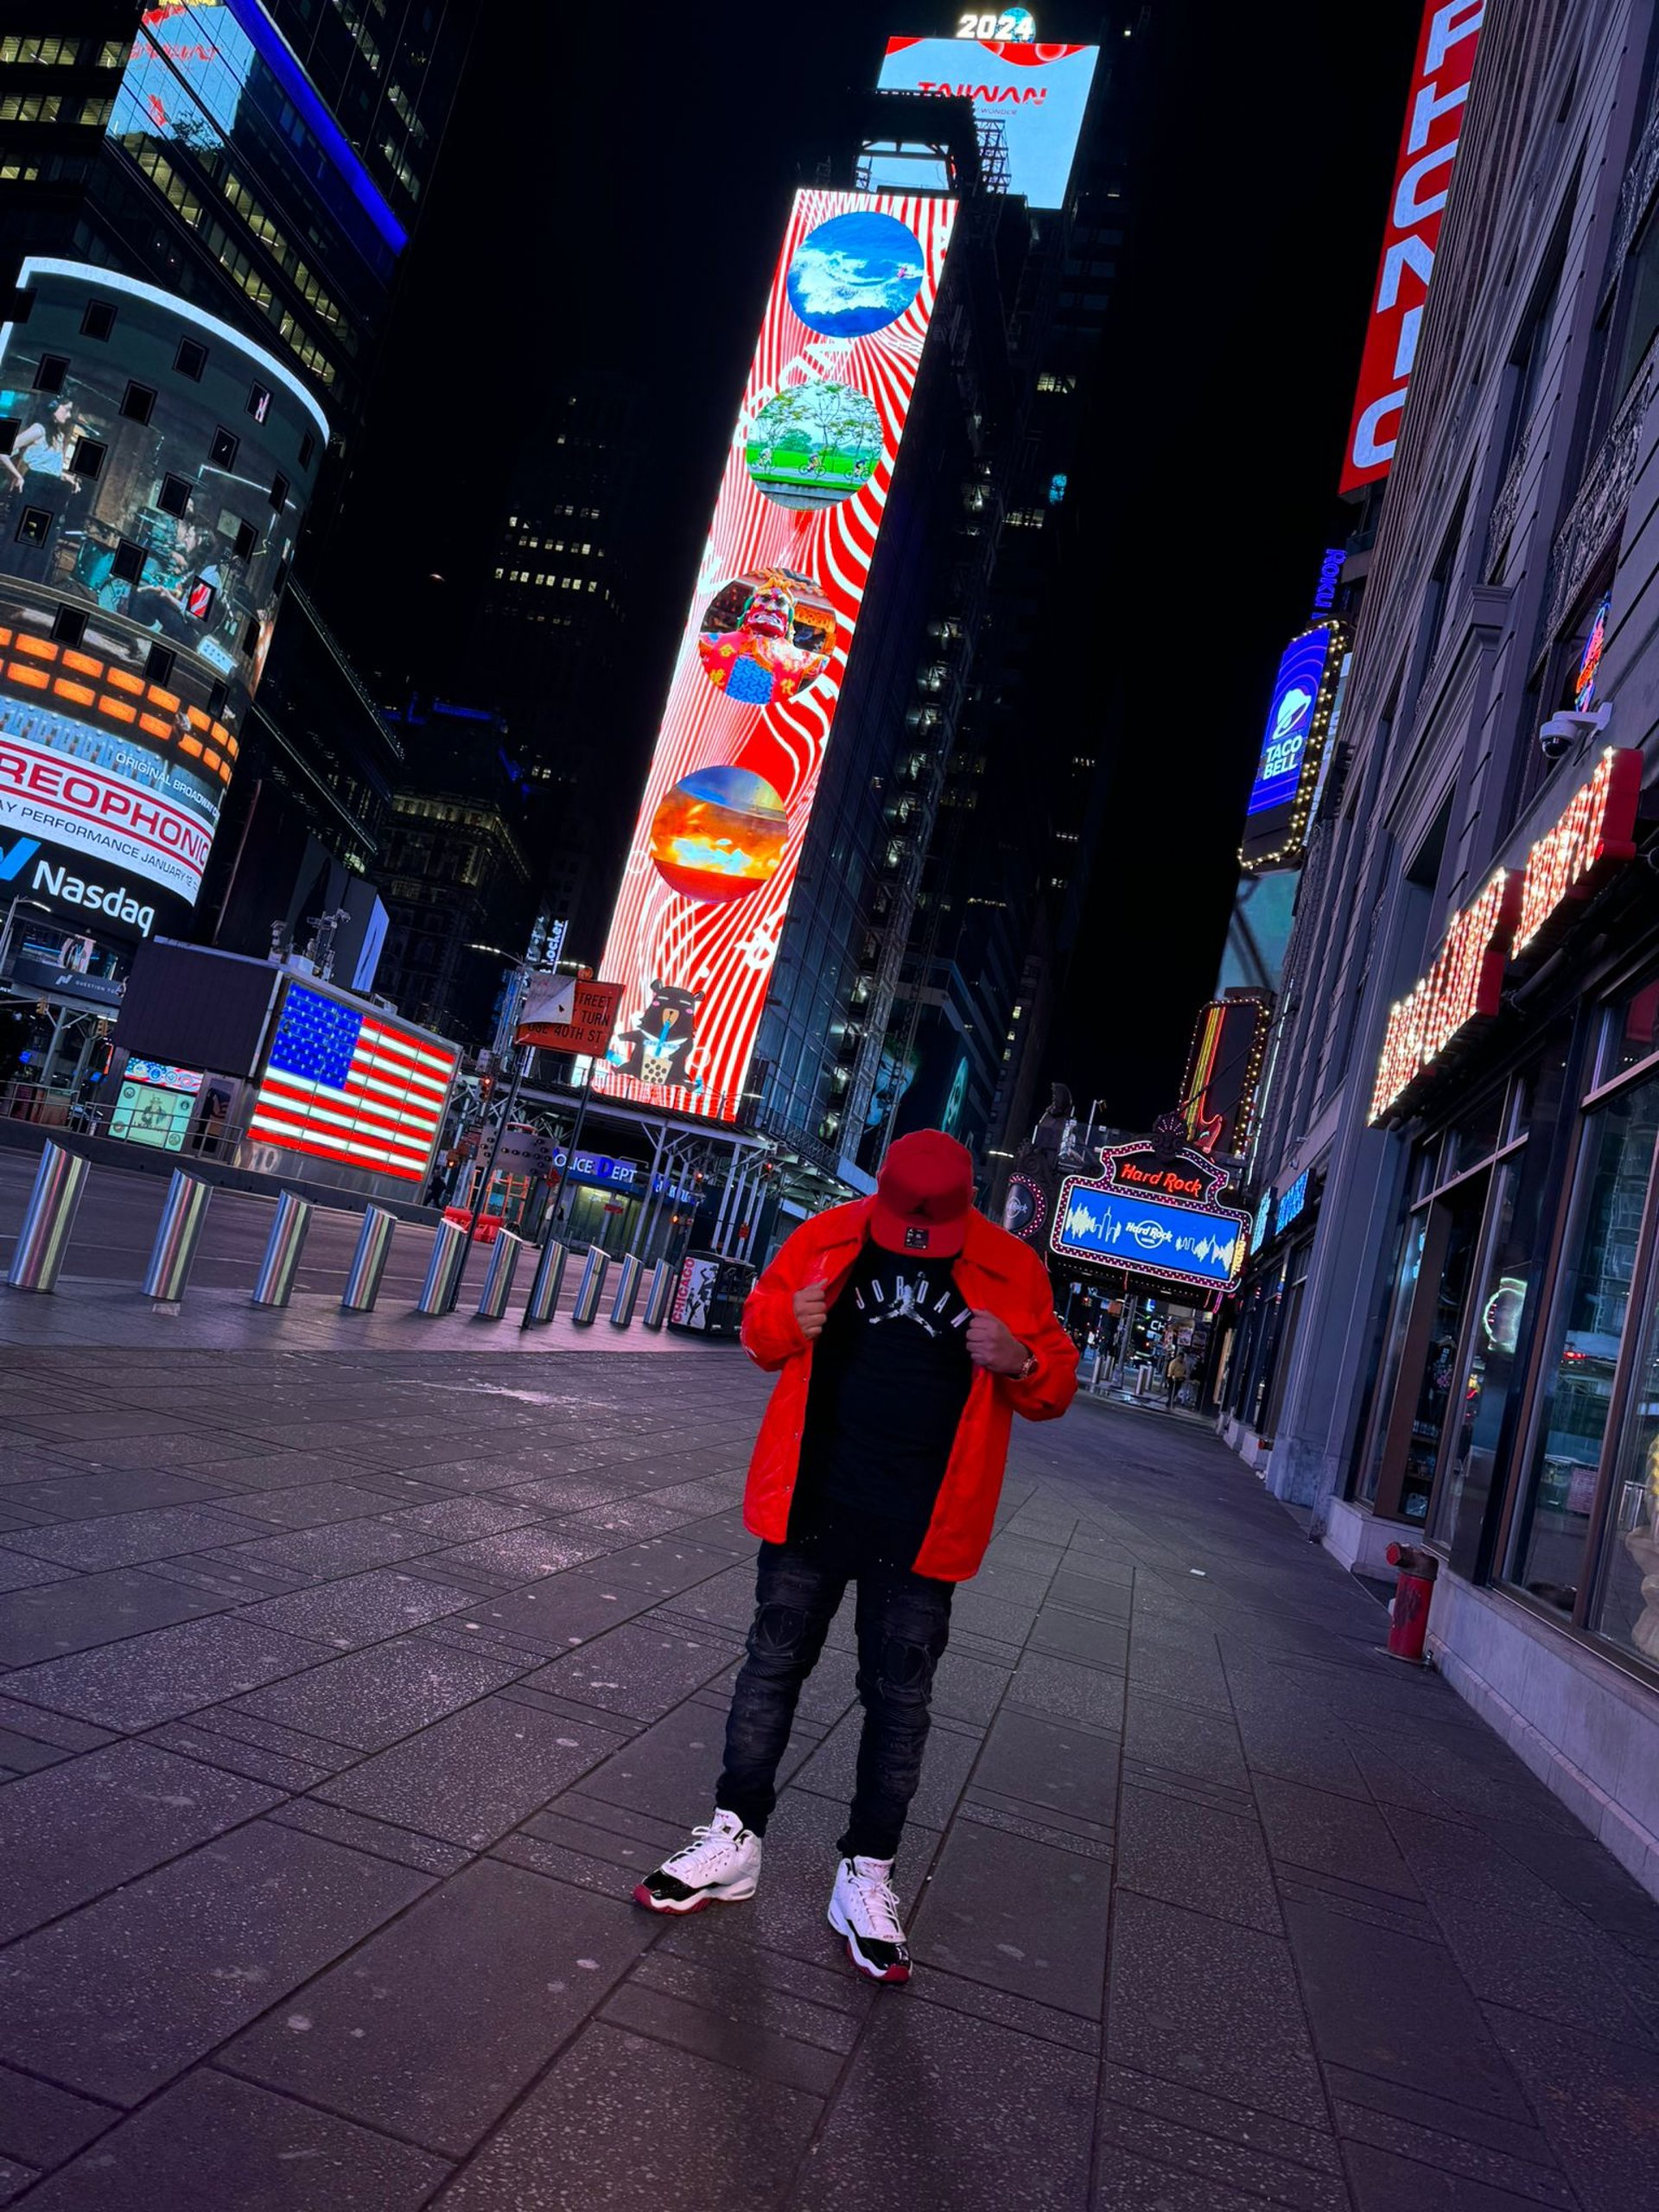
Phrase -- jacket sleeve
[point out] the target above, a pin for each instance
(1053, 1383)
(770, 1332)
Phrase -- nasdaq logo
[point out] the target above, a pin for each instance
(15, 857)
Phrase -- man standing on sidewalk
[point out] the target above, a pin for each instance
(907, 1330)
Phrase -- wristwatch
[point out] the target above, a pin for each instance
(1028, 1370)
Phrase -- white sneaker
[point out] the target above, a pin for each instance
(720, 1866)
(863, 1909)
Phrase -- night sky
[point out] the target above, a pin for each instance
(615, 205)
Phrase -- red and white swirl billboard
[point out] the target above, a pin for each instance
(695, 929)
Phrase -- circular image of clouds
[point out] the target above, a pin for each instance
(854, 274)
(766, 636)
(718, 835)
(812, 444)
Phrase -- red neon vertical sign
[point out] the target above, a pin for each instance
(1422, 177)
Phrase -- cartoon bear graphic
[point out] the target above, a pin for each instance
(657, 1047)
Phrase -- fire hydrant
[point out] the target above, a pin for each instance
(1409, 1612)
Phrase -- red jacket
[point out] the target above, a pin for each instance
(996, 1274)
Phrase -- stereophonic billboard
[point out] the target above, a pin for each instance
(1037, 93)
(154, 471)
(1422, 178)
(343, 1083)
(1293, 749)
(706, 889)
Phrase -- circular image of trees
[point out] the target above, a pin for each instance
(766, 636)
(812, 444)
(854, 274)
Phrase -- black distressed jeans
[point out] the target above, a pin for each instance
(903, 1624)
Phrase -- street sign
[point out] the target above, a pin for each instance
(588, 1027)
(549, 999)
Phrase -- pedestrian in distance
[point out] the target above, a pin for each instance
(906, 1331)
(1175, 1375)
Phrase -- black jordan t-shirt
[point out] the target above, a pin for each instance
(890, 1377)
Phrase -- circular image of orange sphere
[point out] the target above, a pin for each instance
(719, 834)
(766, 636)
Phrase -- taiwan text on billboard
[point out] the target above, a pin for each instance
(715, 849)
(1292, 747)
(153, 472)
(1037, 93)
(1422, 178)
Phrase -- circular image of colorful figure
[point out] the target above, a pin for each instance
(812, 444)
(719, 834)
(855, 274)
(766, 636)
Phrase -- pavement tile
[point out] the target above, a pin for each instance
(309, 1504)
(17, 1572)
(1186, 1667)
(433, 2027)
(216, 2145)
(333, 1549)
(1192, 1855)
(967, 1689)
(1004, 2010)
(1330, 1834)
(358, 1609)
(643, 1668)
(1018, 1915)
(92, 1609)
(462, 1520)
(122, 1995)
(86, 1496)
(1399, 2008)
(401, 1846)
(1228, 2164)
(712, 2033)
(1125, 2183)
(1315, 2148)
(76, 1830)
(283, 1775)
(1210, 2006)
(469, 1778)
(1184, 1739)
(1042, 1684)
(149, 1679)
(1058, 1764)
(1535, 2184)
(1598, 2101)
(518, 1554)
(1014, 2112)
(678, 2126)
(666, 1565)
(131, 1538)
(820, 2019)
(560, 1610)
(370, 1699)
(1382, 2182)
(626, 1520)
(41, 2124)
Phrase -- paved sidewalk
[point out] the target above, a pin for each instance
(349, 1693)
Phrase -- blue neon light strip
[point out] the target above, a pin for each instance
(281, 59)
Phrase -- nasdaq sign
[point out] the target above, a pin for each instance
(1200, 1247)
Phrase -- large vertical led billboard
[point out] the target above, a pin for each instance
(1037, 93)
(1422, 178)
(1292, 747)
(779, 589)
(154, 470)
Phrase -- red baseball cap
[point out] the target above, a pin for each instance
(923, 1190)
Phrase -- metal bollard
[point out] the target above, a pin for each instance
(368, 1262)
(627, 1289)
(591, 1287)
(274, 1285)
(442, 1282)
(544, 1297)
(44, 1237)
(661, 1290)
(177, 1237)
(498, 1280)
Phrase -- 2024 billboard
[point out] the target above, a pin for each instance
(715, 849)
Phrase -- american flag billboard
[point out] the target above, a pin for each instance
(345, 1084)
(695, 929)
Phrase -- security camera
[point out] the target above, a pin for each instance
(1563, 731)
